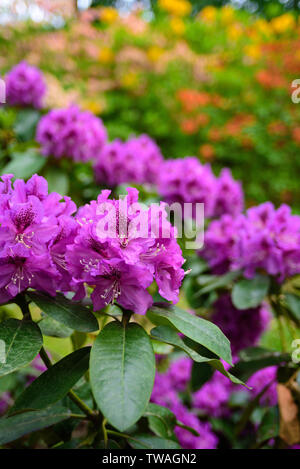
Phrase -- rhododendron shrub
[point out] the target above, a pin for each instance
(246, 278)
(88, 274)
(25, 86)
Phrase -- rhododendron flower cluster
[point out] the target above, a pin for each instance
(165, 393)
(25, 86)
(264, 238)
(71, 133)
(137, 160)
(212, 397)
(242, 327)
(206, 439)
(265, 379)
(188, 181)
(120, 249)
(34, 226)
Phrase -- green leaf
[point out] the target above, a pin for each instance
(53, 328)
(187, 427)
(254, 359)
(24, 165)
(58, 180)
(142, 441)
(170, 336)
(122, 369)
(198, 329)
(54, 383)
(249, 293)
(293, 304)
(269, 427)
(26, 123)
(12, 428)
(71, 314)
(23, 341)
(216, 281)
(161, 420)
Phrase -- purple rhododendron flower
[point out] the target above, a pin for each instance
(30, 227)
(242, 327)
(263, 239)
(25, 86)
(229, 195)
(213, 396)
(188, 181)
(261, 379)
(120, 249)
(180, 373)
(165, 393)
(71, 133)
(137, 160)
(206, 439)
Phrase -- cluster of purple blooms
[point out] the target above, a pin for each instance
(34, 229)
(186, 180)
(25, 86)
(165, 393)
(264, 239)
(120, 248)
(211, 400)
(242, 327)
(265, 379)
(71, 133)
(138, 160)
(44, 247)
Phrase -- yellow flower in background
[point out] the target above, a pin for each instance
(263, 27)
(208, 14)
(154, 53)
(106, 55)
(234, 31)
(283, 23)
(227, 14)
(109, 14)
(253, 51)
(92, 106)
(176, 7)
(177, 26)
(130, 79)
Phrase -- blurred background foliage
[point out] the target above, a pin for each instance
(215, 83)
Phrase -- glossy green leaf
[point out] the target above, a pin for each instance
(122, 369)
(216, 281)
(255, 358)
(71, 314)
(249, 293)
(26, 123)
(53, 328)
(198, 329)
(25, 164)
(170, 336)
(293, 304)
(142, 441)
(54, 383)
(22, 342)
(269, 427)
(58, 180)
(12, 428)
(161, 420)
